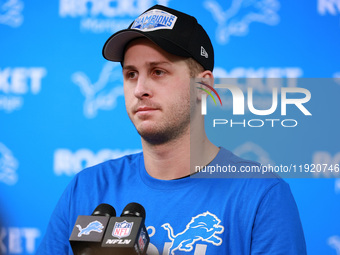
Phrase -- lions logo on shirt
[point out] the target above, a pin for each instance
(203, 227)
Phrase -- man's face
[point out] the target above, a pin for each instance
(157, 91)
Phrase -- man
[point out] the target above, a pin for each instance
(160, 52)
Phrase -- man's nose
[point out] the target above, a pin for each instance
(143, 88)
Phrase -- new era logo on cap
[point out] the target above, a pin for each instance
(204, 53)
(153, 20)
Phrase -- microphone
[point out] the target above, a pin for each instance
(127, 234)
(88, 231)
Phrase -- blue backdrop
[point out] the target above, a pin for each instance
(62, 105)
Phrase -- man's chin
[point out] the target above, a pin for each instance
(153, 136)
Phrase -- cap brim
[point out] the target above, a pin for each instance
(114, 47)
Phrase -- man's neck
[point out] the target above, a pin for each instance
(171, 160)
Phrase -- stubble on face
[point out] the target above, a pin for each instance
(173, 126)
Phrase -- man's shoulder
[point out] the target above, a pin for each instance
(226, 155)
(228, 165)
(245, 175)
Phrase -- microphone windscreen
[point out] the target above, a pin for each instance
(134, 210)
(104, 210)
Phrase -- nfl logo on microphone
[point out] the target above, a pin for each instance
(122, 229)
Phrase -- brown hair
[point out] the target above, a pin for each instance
(194, 67)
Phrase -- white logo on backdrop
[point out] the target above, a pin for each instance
(236, 20)
(8, 166)
(16, 82)
(331, 7)
(252, 151)
(69, 163)
(100, 16)
(11, 12)
(261, 80)
(334, 242)
(100, 95)
(19, 240)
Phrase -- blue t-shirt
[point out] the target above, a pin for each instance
(188, 216)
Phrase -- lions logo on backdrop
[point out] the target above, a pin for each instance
(203, 227)
(100, 95)
(236, 20)
(95, 226)
(8, 166)
(11, 12)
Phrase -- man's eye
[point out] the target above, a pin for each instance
(131, 75)
(159, 72)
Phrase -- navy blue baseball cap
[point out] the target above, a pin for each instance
(175, 32)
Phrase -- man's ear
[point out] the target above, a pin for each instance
(205, 77)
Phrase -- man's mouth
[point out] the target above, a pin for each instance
(145, 110)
